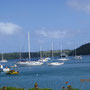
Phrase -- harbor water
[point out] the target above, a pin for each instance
(73, 71)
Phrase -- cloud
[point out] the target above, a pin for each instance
(83, 5)
(9, 28)
(52, 34)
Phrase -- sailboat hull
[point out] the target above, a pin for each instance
(55, 64)
(30, 63)
(63, 59)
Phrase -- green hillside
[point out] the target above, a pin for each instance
(82, 50)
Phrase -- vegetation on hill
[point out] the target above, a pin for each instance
(82, 50)
(24, 55)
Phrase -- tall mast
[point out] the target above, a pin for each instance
(75, 52)
(29, 44)
(61, 51)
(40, 52)
(2, 56)
(52, 51)
(20, 55)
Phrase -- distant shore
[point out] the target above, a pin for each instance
(82, 50)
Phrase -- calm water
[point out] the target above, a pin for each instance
(50, 76)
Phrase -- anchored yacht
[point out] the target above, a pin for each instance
(29, 62)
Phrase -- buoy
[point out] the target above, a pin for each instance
(37, 75)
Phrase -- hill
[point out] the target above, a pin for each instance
(82, 50)
(16, 55)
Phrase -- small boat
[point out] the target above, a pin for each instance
(55, 64)
(43, 60)
(63, 56)
(78, 57)
(2, 69)
(47, 58)
(12, 72)
(63, 59)
(14, 66)
(6, 69)
(3, 60)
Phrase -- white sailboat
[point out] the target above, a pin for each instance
(3, 60)
(77, 57)
(54, 63)
(29, 62)
(63, 58)
(47, 57)
(42, 59)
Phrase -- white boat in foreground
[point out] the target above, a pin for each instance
(55, 64)
(6, 69)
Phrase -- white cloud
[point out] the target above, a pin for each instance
(52, 34)
(9, 28)
(83, 5)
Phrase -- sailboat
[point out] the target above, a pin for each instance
(13, 71)
(63, 58)
(29, 62)
(3, 60)
(42, 59)
(47, 58)
(54, 63)
(77, 57)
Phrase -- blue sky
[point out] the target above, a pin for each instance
(63, 22)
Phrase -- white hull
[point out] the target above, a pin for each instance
(6, 69)
(48, 58)
(63, 59)
(55, 64)
(29, 63)
(78, 57)
(43, 60)
(3, 61)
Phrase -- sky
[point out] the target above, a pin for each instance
(61, 22)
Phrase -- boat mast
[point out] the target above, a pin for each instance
(29, 44)
(75, 52)
(20, 55)
(2, 56)
(52, 52)
(40, 52)
(61, 51)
